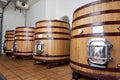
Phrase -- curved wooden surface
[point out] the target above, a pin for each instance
(9, 39)
(24, 38)
(55, 35)
(99, 19)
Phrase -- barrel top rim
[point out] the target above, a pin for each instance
(25, 27)
(54, 20)
(92, 3)
(9, 30)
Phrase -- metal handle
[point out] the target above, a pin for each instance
(46, 54)
(118, 28)
(47, 35)
(80, 31)
(118, 65)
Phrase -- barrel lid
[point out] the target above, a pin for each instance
(54, 20)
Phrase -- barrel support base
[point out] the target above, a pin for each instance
(78, 73)
(23, 56)
(53, 63)
(77, 76)
(9, 54)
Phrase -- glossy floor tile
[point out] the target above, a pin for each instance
(18, 69)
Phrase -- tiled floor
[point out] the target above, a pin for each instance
(17, 69)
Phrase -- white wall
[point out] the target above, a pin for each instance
(50, 9)
(67, 7)
(42, 10)
(0, 9)
(12, 18)
(36, 13)
(53, 9)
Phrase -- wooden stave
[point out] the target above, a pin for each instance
(108, 33)
(43, 28)
(24, 36)
(9, 39)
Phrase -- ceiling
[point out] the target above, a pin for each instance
(3, 3)
(32, 2)
(25, 1)
(29, 2)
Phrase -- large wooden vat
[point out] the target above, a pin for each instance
(54, 35)
(24, 41)
(8, 43)
(99, 23)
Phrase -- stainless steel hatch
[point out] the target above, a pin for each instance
(98, 52)
(39, 48)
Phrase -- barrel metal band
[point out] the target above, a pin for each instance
(24, 36)
(95, 24)
(59, 60)
(9, 34)
(51, 21)
(99, 69)
(10, 30)
(25, 27)
(24, 39)
(97, 34)
(93, 3)
(52, 55)
(52, 33)
(9, 40)
(8, 37)
(52, 38)
(23, 52)
(60, 27)
(100, 76)
(24, 31)
(8, 50)
(97, 13)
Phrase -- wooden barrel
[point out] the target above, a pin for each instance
(54, 36)
(24, 41)
(8, 43)
(95, 40)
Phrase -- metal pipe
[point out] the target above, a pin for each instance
(7, 4)
(25, 15)
(1, 31)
